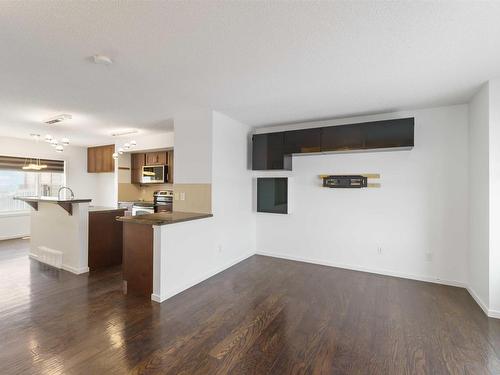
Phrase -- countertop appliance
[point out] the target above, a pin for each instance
(143, 208)
(163, 200)
(154, 174)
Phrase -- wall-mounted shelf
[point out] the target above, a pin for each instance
(345, 181)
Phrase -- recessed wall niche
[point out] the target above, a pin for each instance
(272, 195)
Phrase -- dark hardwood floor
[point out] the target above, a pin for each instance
(262, 316)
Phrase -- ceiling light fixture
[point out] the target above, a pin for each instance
(59, 148)
(126, 132)
(65, 141)
(35, 164)
(57, 119)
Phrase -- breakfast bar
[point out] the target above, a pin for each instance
(72, 235)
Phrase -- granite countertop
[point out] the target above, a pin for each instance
(105, 209)
(52, 200)
(163, 218)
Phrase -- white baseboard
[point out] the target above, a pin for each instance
(76, 271)
(13, 237)
(156, 298)
(488, 312)
(366, 269)
(494, 314)
(170, 293)
(478, 300)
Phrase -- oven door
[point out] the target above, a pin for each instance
(141, 210)
(155, 174)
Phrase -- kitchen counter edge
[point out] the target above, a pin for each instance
(163, 218)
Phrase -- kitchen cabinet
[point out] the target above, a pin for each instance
(137, 161)
(368, 135)
(170, 163)
(392, 133)
(156, 158)
(269, 153)
(137, 259)
(105, 238)
(302, 141)
(342, 138)
(100, 159)
(273, 150)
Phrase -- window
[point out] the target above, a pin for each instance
(23, 183)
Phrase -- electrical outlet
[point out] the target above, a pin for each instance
(183, 196)
(220, 249)
(379, 250)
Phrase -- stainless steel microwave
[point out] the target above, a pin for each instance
(154, 174)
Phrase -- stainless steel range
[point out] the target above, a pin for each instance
(142, 208)
(163, 200)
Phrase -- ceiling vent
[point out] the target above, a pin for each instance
(57, 119)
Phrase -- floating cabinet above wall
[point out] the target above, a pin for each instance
(274, 150)
(100, 159)
(342, 138)
(388, 134)
(302, 141)
(268, 152)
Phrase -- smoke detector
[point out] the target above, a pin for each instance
(102, 60)
(57, 119)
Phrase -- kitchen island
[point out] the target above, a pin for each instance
(60, 234)
(155, 252)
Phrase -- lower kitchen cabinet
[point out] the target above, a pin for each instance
(105, 238)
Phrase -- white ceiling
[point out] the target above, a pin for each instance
(259, 62)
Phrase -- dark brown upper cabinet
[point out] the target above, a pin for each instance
(368, 135)
(302, 141)
(342, 138)
(100, 159)
(274, 150)
(156, 158)
(268, 152)
(137, 162)
(390, 133)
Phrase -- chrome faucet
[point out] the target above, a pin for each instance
(63, 188)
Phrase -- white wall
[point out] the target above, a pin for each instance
(420, 212)
(153, 141)
(232, 188)
(193, 147)
(478, 258)
(494, 195)
(229, 236)
(84, 185)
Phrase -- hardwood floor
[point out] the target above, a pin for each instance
(262, 316)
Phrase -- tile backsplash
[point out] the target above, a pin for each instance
(132, 192)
